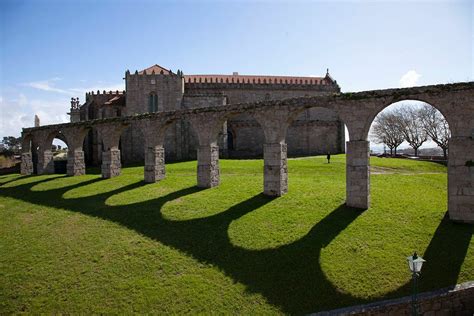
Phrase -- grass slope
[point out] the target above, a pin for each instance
(82, 244)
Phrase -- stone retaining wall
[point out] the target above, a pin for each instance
(457, 300)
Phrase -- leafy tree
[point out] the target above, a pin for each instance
(12, 143)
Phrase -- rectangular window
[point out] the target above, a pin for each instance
(150, 103)
(155, 103)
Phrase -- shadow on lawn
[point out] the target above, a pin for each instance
(289, 276)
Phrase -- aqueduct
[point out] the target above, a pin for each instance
(357, 110)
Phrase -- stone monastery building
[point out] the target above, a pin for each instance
(315, 131)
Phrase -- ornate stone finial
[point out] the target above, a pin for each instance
(327, 71)
(75, 104)
(127, 72)
(136, 72)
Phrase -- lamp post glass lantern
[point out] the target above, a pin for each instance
(414, 264)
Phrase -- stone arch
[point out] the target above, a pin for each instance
(419, 101)
(132, 144)
(330, 128)
(110, 133)
(275, 122)
(58, 134)
(46, 164)
(154, 132)
(75, 155)
(379, 107)
(27, 142)
(451, 187)
(248, 136)
(208, 127)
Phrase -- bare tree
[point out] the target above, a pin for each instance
(435, 126)
(410, 125)
(386, 130)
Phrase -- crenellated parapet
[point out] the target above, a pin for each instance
(247, 82)
(104, 95)
(103, 104)
(162, 85)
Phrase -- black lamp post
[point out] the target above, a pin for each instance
(415, 263)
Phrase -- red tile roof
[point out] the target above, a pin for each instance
(116, 100)
(235, 78)
(156, 68)
(254, 79)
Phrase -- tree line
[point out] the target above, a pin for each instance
(413, 124)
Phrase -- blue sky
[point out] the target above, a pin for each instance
(53, 50)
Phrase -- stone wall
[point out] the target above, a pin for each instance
(169, 89)
(306, 137)
(357, 110)
(458, 300)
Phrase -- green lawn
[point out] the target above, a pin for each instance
(83, 245)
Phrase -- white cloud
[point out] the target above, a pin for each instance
(47, 85)
(409, 79)
(18, 113)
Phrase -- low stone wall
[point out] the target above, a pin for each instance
(13, 169)
(458, 300)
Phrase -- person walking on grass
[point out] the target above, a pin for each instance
(328, 157)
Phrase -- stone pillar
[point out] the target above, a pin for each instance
(26, 164)
(208, 166)
(45, 162)
(154, 164)
(275, 169)
(75, 163)
(111, 163)
(357, 174)
(461, 179)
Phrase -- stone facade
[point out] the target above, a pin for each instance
(154, 164)
(275, 169)
(357, 174)
(111, 163)
(26, 163)
(75, 163)
(315, 131)
(275, 117)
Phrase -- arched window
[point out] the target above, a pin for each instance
(153, 102)
(230, 140)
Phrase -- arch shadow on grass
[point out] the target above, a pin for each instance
(288, 276)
